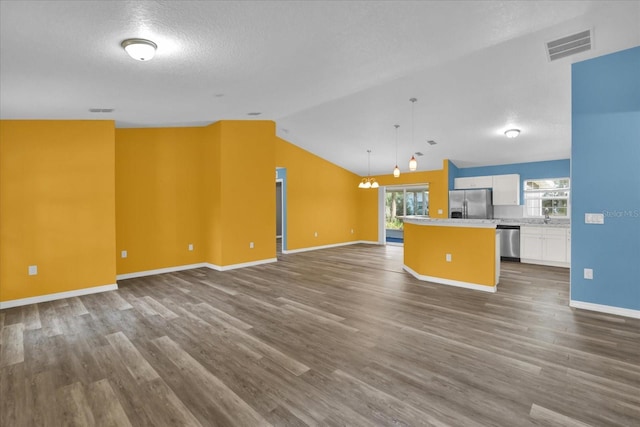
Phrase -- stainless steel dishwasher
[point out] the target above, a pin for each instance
(509, 242)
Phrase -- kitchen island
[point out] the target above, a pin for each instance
(456, 252)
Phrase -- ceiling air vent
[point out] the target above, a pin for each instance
(431, 142)
(569, 45)
(100, 110)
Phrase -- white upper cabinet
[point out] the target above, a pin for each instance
(473, 182)
(506, 189)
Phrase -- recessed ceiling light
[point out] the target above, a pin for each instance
(253, 114)
(140, 49)
(512, 133)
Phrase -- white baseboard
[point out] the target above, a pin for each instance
(609, 309)
(334, 245)
(241, 265)
(449, 282)
(160, 271)
(56, 296)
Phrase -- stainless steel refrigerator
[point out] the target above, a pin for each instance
(472, 204)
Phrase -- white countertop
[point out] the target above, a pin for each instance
(486, 223)
(449, 222)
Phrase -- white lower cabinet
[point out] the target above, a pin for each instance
(545, 245)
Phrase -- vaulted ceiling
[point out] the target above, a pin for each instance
(334, 76)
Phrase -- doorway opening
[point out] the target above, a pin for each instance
(279, 216)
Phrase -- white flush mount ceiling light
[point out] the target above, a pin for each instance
(368, 182)
(140, 49)
(413, 163)
(512, 133)
(396, 170)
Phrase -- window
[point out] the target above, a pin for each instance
(405, 201)
(547, 197)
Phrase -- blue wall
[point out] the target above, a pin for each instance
(532, 170)
(605, 157)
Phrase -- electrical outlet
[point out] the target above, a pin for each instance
(33, 270)
(588, 273)
(593, 218)
(190, 246)
(439, 211)
(352, 231)
(315, 234)
(250, 245)
(123, 254)
(447, 257)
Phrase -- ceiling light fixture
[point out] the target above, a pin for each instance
(396, 170)
(413, 163)
(368, 182)
(139, 49)
(512, 133)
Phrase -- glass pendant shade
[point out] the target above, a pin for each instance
(375, 184)
(396, 172)
(413, 164)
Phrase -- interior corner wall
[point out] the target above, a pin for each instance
(605, 179)
(321, 197)
(159, 203)
(212, 196)
(248, 193)
(57, 206)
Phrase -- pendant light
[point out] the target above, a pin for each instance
(413, 163)
(368, 182)
(396, 170)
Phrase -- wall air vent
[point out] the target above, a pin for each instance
(101, 110)
(569, 45)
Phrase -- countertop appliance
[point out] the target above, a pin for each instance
(509, 242)
(471, 204)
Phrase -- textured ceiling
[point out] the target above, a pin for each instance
(334, 76)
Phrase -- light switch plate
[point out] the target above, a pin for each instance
(447, 257)
(190, 246)
(594, 218)
(123, 254)
(33, 270)
(588, 273)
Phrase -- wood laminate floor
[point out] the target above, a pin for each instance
(336, 337)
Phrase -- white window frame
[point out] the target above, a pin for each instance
(527, 195)
(404, 189)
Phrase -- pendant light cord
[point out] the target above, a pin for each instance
(397, 126)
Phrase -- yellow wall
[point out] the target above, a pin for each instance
(321, 197)
(57, 206)
(159, 203)
(472, 251)
(77, 193)
(438, 187)
(248, 191)
(211, 199)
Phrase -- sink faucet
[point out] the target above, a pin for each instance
(546, 216)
